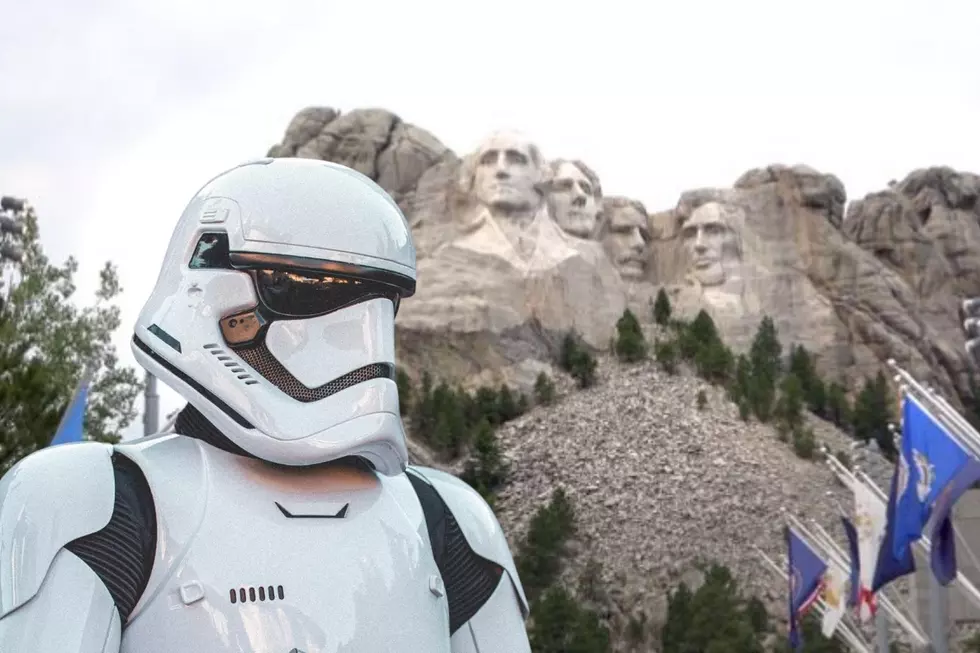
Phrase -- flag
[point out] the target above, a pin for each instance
(929, 459)
(853, 596)
(943, 555)
(70, 428)
(889, 566)
(806, 572)
(834, 595)
(869, 522)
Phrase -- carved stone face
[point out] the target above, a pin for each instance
(508, 171)
(712, 244)
(573, 200)
(625, 240)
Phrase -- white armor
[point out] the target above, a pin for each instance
(278, 514)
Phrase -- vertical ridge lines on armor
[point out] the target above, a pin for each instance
(470, 579)
(121, 553)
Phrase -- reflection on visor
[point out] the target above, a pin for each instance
(308, 295)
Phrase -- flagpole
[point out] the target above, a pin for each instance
(85, 378)
(915, 609)
(938, 615)
(881, 631)
(151, 406)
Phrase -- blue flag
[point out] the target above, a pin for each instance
(806, 572)
(891, 566)
(929, 459)
(852, 544)
(943, 558)
(70, 428)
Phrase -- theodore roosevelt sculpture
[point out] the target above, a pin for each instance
(625, 235)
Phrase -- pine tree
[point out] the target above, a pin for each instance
(702, 399)
(816, 397)
(803, 365)
(404, 384)
(486, 470)
(661, 308)
(757, 614)
(838, 407)
(423, 413)
(804, 442)
(569, 352)
(789, 408)
(540, 556)
(765, 358)
(577, 361)
(872, 413)
(674, 634)
(713, 619)
(506, 404)
(630, 344)
(522, 403)
(766, 351)
(666, 354)
(486, 405)
(544, 389)
(714, 362)
(700, 333)
(450, 425)
(31, 402)
(51, 337)
(590, 587)
(738, 386)
(561, 625)
(585, 370)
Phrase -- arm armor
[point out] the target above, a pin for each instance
(487, 605)
(71, 549)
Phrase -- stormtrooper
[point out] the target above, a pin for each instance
(278, 512)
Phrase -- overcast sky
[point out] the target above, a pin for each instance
(114, 112)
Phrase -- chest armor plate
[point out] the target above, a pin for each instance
(330, 560)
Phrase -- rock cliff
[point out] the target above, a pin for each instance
(515, 249)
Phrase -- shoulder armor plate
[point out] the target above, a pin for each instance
(476, 521)
(48, 499)
(176, 475)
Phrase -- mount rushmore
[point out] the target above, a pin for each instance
(515, 249)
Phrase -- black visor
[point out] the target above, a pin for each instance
(308, 294)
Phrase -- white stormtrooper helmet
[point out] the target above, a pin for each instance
(274, 311)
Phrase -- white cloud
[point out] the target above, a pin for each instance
(121, 114)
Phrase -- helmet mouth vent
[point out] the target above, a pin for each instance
(262, 361)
